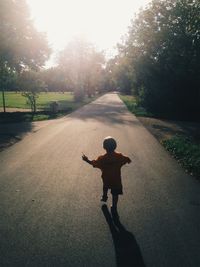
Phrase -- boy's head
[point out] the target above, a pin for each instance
(109, 144)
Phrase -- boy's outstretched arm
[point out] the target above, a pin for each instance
(126, 160)
(85, 158)
(129, 160)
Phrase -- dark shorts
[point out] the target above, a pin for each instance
(116, 192)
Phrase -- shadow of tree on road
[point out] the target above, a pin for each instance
(110, 113)
(13, 132)
(127, 251)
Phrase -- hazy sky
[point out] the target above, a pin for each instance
(102, 22)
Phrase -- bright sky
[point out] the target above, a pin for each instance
(101, 22)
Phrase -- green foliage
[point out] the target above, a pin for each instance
(8, 77)
(132, 104)
(107, 81)
(31, 99)
(56, 80)
(121, 74)
(20, 43)
(160, 57)
(186, 151)
(31, 84)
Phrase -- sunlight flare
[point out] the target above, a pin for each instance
(102, 22)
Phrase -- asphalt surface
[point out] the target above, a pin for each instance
(50, 210)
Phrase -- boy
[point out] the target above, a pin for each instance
(110, 165)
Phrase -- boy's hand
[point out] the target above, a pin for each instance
(84, 157)
(129, 161)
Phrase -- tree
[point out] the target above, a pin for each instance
(56, 80)
(31, 84)
(122, 73)
(83, 65)
(21, 45)
(7, 78)
(163, 50)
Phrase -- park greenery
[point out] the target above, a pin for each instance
(66, 104)
(156, 69)
(133, 106)
(158, 60)
(17, 100)
(24, 52)
(158, 65)
(22, 47)
(185, 148)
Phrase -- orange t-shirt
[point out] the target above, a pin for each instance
(110, 165)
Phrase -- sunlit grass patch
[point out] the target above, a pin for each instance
(66, 104)
(16, 100)
(45, 99)
(186, 151)
(132, 105)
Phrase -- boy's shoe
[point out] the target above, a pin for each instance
(104, 198)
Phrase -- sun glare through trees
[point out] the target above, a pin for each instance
(101, 22)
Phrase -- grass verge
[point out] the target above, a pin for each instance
(132, 105)
(186, 151)
(184, 148)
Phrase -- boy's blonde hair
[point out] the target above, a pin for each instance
(109, 144)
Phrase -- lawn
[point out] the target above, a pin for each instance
(132, 105)
(16, 100)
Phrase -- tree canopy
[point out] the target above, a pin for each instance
(161, 56)
(21, 45)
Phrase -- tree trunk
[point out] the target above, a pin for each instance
(34, 105)
(4, 102)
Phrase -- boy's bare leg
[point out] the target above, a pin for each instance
(114, 201)
(105, 191)
(105, 194)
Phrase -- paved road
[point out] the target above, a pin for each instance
(49, 198)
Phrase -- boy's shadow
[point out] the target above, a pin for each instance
(127, 251)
